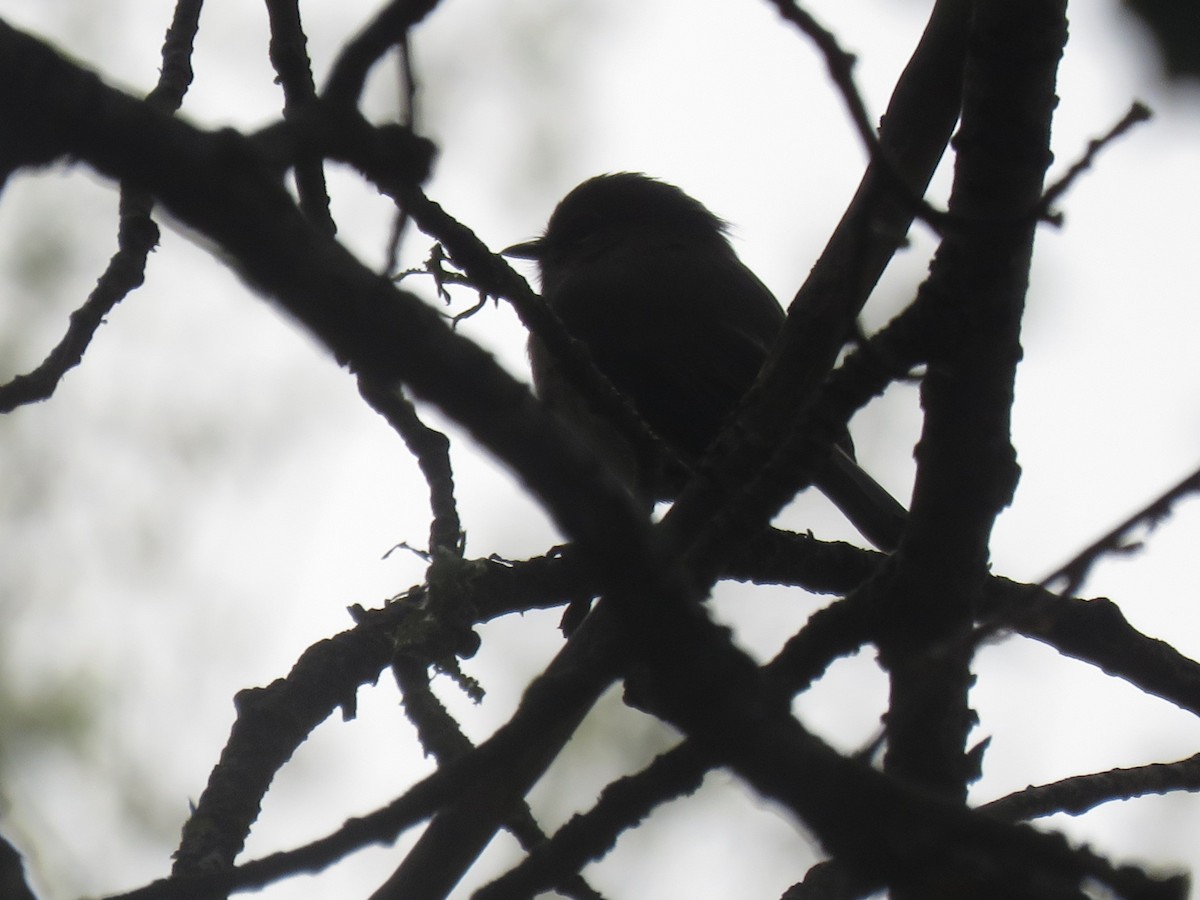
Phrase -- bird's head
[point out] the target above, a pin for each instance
(610, 210)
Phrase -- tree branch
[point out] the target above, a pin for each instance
(1080, 793)
(137, 234)
(966, 467)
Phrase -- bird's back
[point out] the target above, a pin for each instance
(682, 335)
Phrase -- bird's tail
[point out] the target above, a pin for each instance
(878, 516)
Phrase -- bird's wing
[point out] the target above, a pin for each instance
(681, 335)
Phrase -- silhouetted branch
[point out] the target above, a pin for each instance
(1075, 572)
(1080, 793)
(1138, 112)
(441, 736)
(289, 56)
(840, 66)
(966, 467)
(359, 56)
(588, 836)
(432, 450)
(271, 723)
(918, 123)
(137, 234)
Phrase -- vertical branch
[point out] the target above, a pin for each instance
(966, 466)
(176, 74)
(289, 56)
(432, 450)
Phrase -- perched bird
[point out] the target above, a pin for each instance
(643, 275)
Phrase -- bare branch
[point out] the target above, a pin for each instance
(137, 234)
(841, 70)
(387, 30)
(1138, 113)
(432, 450)
(919, 120)
(1080, 793)
(1075, 572)
(289, 56)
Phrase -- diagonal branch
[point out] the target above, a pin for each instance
(915, 130)
(441, 736)
(388, 29)
(840, 66)
(966, 466)
(1080, 793)
(137, 234)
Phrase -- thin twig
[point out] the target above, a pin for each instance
(432, 450)
(441, 736)
(137, 233)
(1080, 793)
(1075, 571)
(841, 69)
(1138, 112)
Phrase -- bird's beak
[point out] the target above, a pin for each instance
(528, 250)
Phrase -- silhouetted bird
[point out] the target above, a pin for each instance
(644, 276)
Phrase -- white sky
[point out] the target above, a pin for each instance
(209, 478)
